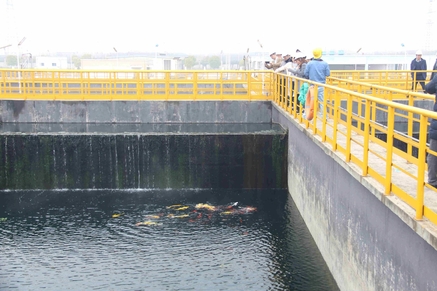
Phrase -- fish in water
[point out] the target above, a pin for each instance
(246, 210)
(235, 204)
(147, 223)
(174, 206)
(178, 216)
(153, 216)
(227, 212)
(205, 206)
(181, 208)
(116, 215)
(240, 210)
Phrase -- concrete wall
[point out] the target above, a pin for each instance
(135, 111)
(244, 160)
(359, 231)
(367, 240)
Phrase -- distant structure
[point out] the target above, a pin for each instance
(26, 61)
(431, 27)
(43, 62)
(133, 63)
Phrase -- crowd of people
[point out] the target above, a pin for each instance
(313, 68)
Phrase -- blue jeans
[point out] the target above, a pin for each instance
(320, 91)
(432, 163)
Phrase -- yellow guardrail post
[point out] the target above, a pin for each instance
(82, 86)
(324, 112)
(221, 85)
(138, 85)
(249, 85)
(195, 79)
(373, 118)
(167, 85)
(389, 149)
(365, 167)
(360, 106)
(414, 85)
(421, 167)
(349, 128)
(113, 83)
(410, 123)
(336, 117)
(59, 84)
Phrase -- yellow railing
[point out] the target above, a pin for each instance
(134, 85)
(400, 79)
(391, 94)
(351, 124)
(381, 91)
(352, 107)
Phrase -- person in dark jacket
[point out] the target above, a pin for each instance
(418, 64)
(434, 68)
(431, 88)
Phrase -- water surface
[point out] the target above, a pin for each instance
(91, 240)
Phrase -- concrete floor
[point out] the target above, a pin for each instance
(402, 179)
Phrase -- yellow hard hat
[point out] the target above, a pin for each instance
(317, 53)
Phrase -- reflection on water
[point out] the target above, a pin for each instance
(157, 240)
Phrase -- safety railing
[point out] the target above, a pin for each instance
(410, 98)
(400, 79)
(134, 85)
(380, 91)
(353, 129)
(349, 122)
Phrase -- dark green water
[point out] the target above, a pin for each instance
(69, 240)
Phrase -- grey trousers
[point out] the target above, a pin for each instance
(432, 163)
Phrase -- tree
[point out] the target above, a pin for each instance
(189, 62)
(204, 62)
(11, 60)
(214, 62)
(76, 61)
(241, 63)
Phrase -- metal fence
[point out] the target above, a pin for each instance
(134, 85)
(347, 120)
(399, 79)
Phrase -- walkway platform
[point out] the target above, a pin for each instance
(426, 229)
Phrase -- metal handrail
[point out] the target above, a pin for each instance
(354, 131)
(92, 85)
(401, 79)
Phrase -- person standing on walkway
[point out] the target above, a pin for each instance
(275, 63)
(299, 71)
(434, 68)
(317, 70)
(418, 64)
(431, 159)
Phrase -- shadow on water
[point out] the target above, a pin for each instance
(89, 240)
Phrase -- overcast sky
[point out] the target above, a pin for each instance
(195, 26)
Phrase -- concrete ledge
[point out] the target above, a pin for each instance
(370, 241)
(222, 157)
(135, 111)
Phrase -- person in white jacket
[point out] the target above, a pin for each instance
(286, 65)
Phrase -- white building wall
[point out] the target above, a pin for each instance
(51, 63)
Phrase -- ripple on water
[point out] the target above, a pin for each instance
(78, 243)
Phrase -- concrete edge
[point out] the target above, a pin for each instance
(424, 228)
